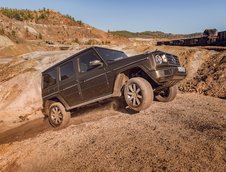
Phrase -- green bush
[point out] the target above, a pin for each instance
(80, 22)
(152, 34)
(23, 15)
(43, 16)
(70, 17)
(73, 19)
(76, 41)
(91, 42)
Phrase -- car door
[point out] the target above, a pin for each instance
(68, 83)
(50, 81)
(92, 78)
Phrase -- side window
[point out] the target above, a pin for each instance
(85, 59)
(49, 78)
(67, 70)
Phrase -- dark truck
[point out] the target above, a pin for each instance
(96, 74)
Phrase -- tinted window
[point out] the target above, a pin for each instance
(49, 78)
(67, 71)
(111, 55)
(85, 59)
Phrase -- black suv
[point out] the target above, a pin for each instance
(97, 74)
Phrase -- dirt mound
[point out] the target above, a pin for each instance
(51, 27)
(210, 79)
(181, 135)
(206, 69)
(20, 86)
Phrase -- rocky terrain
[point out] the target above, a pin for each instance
(206, 68)
(210, 78)
(20, 85)
(23, 31)
(20, 80)
(187, 134)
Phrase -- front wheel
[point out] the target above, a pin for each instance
(58, 116)
(138, 94)
(167, 94)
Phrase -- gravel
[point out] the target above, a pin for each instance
(188, 134)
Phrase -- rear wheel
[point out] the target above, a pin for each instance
(167, 94)
(138, 94)
(58, 116)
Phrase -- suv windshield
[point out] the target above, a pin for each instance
(111, 55)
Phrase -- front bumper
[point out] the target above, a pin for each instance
(169, 74)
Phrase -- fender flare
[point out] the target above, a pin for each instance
(51, 99)
(120, 81)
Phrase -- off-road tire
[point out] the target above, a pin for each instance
(138, 94)
(168, 95)
(58, 116)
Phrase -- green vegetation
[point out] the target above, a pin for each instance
(91, 42)
(43, 16)
(73, 19)
(76, 41)
(155, 34)
(70, 17)
(106, 42)
(26, 15)
(20, 15)
(96, 42)
(80, 22)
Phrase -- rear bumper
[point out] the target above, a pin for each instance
(168, 75)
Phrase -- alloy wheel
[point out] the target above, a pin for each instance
(56, 115)
(134, 95)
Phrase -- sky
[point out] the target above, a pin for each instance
(170, 16)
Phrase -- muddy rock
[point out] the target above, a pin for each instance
(210, 78)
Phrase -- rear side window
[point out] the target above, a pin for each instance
(49, 78)
(67, 70)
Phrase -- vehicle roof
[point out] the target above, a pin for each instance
(76, 54)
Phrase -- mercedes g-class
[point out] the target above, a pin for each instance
(97, 74)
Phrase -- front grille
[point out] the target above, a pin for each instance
(173, 60)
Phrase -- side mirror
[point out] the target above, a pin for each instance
(96, 63)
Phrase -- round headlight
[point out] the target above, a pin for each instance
(158, 59)
(164, 58)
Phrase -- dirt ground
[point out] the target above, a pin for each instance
(188, 134)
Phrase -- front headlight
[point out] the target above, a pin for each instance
(158, 59)
(164, 58)
(161, 58)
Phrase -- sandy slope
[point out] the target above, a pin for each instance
(20, 85)
(188, 134)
